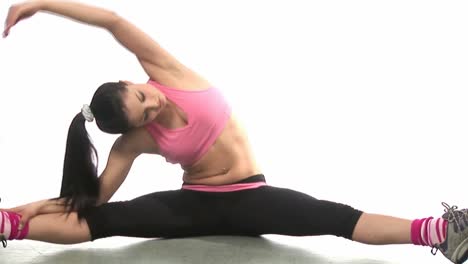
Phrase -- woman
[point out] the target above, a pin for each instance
(179, 115)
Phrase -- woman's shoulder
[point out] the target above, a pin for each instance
(185, 80)
(137, 141)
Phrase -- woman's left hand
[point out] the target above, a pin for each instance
(27, 212)
(19, 12)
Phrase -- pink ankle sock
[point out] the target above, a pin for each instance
(9, 223)
(428, 231)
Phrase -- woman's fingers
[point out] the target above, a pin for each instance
(17, 13)
(18, 210)
(11, 20)
(13, 210)
(6, 31)
(24, 218)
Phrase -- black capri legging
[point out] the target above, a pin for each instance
(185, 213)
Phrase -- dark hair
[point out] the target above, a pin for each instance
(80, 184)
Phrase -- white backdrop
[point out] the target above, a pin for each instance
(361, 102)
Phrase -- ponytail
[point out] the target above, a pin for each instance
(80, 184)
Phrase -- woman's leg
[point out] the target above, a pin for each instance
(287, 212)
(162, 214)
(58, 228)
(378, 229)
(271, 210)
(283, 211)
(177, 213)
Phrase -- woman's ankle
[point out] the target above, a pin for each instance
(10, 226)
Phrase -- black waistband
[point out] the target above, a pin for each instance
(254, 178)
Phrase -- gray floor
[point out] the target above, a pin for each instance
(209, 250)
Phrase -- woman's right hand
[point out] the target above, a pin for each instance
(19, 12)
(27, 212)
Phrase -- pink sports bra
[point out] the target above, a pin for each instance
(207, 114)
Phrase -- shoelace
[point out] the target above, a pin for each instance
(2, 238)
(457, 216)
(453, 215)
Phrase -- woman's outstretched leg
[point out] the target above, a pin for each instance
(271, 210)
(53, 228)
(176, 213)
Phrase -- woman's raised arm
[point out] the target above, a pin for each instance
(157, 62)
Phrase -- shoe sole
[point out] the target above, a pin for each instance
(461, 253)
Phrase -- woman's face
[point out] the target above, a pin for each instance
(143, 103)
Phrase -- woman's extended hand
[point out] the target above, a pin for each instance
(19, 12)
(27, 212)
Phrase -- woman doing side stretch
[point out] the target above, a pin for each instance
(179, 115)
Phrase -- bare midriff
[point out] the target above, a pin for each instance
(229, 159)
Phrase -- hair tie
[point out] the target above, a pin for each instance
(87, 113)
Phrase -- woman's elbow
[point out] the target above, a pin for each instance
(112, 20)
